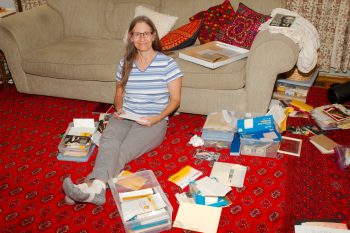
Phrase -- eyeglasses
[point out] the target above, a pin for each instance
(138, 35)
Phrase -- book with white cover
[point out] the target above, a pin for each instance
(213, 54)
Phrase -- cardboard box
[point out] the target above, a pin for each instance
(259, 136)
(213, 54)
(144, 180)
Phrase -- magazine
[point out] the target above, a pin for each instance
(281, 20)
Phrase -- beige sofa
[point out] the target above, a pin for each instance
(71, 48)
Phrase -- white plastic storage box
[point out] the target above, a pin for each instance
(151, 221)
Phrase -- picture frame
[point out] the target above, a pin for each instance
(290, 146)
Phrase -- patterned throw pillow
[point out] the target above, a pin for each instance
(243, 29)
(181, 37)
(212, 19)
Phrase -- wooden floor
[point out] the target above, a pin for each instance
(326, 81)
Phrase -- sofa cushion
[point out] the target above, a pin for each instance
(77, 59)
(163, 22)
(242, 31)
(227, 77)
(184, 9)
(212, 19)
(85, 18)
(119, 14)
(181, 37)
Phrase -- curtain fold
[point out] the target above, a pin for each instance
(332, 21)
(24, 5)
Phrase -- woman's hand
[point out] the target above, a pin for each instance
(149, 120)
(117, 113)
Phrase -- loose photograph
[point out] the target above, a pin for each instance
(280, 20)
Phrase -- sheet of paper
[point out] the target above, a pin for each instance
(127, 196)
(132, 116)
(82, 127)
(317, 229)
(229, 174)
(334, 225)
(278, 114)
(184, 197)
(199, 218)
(211, 187)
(142, 205)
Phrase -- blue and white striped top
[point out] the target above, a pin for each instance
(146, 92)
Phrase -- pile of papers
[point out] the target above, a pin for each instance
(321, 227)
(76, 144)
(198, 209)
(141, 202)
(219, 128)
(333, 116)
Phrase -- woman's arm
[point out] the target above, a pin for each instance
(174, 102)
(118, 99)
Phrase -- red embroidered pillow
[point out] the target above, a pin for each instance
(242, 31)
(181, 37)
(212, 19)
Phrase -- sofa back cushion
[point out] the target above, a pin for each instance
(84, 18)
(184, 9)
(119, 14)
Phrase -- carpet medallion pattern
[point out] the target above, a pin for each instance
(276, 192)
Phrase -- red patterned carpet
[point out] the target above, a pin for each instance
(277, 191)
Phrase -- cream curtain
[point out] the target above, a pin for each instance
(332, 20)
(28, 4)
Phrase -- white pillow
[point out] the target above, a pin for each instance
(164, 23)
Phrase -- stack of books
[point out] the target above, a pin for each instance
(219, 129)
(294, 85)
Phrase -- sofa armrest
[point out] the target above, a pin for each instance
(270, 55)
(35, 28)
(24, 32)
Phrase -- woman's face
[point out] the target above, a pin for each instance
(142, 36)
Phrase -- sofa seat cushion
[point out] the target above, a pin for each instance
(76, 59)
(227, 77)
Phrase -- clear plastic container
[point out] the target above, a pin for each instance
(343, 156)
(259, 148)
(154, 223)
(62, 148)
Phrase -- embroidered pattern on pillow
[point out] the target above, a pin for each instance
(244, 28)
(212, 19)
(181, 37)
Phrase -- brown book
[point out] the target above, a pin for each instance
(323, 143)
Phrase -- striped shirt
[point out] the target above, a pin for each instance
(146, 92)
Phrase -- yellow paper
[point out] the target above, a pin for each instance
(180, 174)
(301, 105)
(133, 183)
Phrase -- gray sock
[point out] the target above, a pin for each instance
(77, 195)
(72, 191)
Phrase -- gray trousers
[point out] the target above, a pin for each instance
(123, 141)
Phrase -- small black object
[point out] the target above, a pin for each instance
(339, 93)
